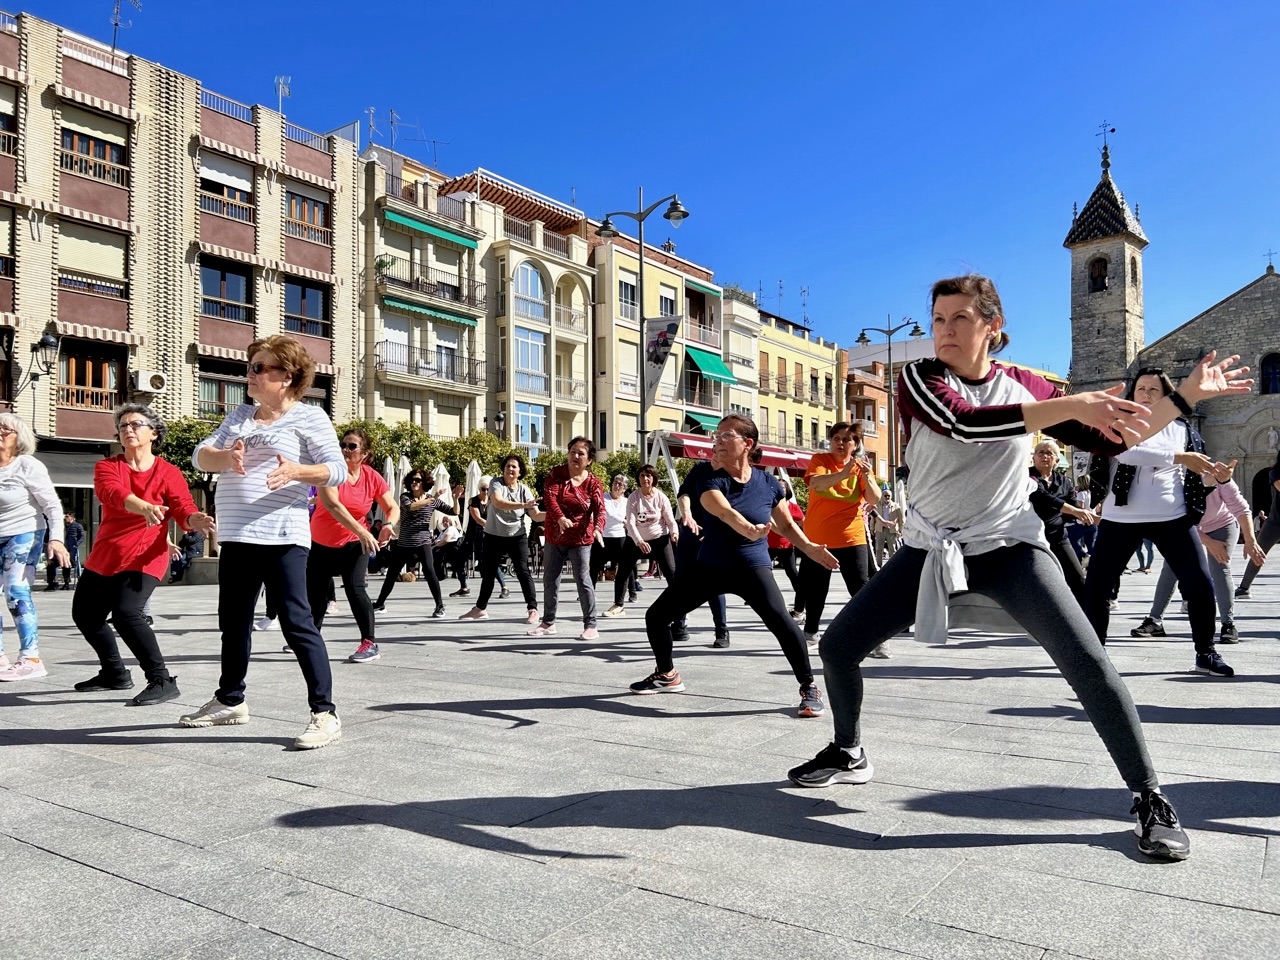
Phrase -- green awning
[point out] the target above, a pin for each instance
(700, 288)
(423, 227)
(707, 423)
(712, 367)
(405, 305)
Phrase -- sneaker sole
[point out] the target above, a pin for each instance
(376, 656)
(98, 688)
(839, 776)
(316, 746)
(675, 688)
(1213, 673)
(151, 703)
(1161, 852)
(231, 722)
(804, 713)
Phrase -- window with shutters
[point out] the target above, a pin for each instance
(90, 375)
(307, 216)
(94, 146)
(222, 388)
(8, 120)
(92, 260)
(226, 188)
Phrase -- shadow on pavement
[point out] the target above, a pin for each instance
(1148, 713)
(623, 704)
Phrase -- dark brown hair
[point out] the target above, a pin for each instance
(364, 442)
(591, 447)
(1165, 383)
(985, 297)
(746, 427)
(647, 469)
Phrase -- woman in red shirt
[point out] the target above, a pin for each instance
(341, 543)
(575, 510)
(140, 493)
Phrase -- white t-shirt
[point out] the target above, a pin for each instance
(1157, 493)
(615, 516)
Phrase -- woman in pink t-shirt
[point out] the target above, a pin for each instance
(341, 542)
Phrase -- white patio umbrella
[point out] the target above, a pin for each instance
(402, 470)
(442, 489)
(389, 475)
(472, 488)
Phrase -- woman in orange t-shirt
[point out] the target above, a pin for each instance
(841, 484)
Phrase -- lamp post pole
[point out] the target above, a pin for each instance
(675, 214)
(888, 332)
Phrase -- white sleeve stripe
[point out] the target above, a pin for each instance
(926, 399)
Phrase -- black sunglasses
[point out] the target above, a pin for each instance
(259, 368)
(351, 446)
(416, 480)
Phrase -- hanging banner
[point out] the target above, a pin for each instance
(660, 337)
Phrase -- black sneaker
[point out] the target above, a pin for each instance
(461, 592)
(379, 606)
(679, 634)
(722, 639)
(1229, 634)
(832, 765)
(1242, 594)
(1212, 663)
(659, 683)
(1148, 628)
(104, 682)
(158, 691)
(1159, 833)
(437, 613)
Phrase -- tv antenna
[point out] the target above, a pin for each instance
(804, 305)
(779, 297)
(373, 125)
(282, 90)
(117, 23)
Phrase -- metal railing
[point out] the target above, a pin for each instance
(531, 308)
(513, 228)
(8, 22)
(87, 398)
(782, 385)
(742, 361)
(226, 309)
(397, 271)
(398, 187)
(669, 392)
(571, 319)
(628, 386)
(766, 381)
(629, 311)
(451, 207)
(554, 243)
(222, 207)
(798, 389)
(214, 409)
(310, 138)
(226, 106)
(9, 142)
(93, 53)
(94, 168)
(533, 381)
(828, 398)
(309, 326)
(575, 391)
(438, 365)
(100, 286)
(308, 231)
(703, 395)
(701, 333)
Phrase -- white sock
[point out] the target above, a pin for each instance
(855, 753)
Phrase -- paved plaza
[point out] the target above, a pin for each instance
(500, 796)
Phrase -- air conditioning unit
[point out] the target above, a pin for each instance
(150, 381)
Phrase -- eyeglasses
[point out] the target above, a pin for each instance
(415, 480)
(351, 446)
(7, 432)
(259, 368)
(726, 436)
(134, 425)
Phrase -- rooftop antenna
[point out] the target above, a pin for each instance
(804, 305)
(117, 23)
(779, 297)
(373, 125)
(282, 90)
(759, 292)
(573, 196)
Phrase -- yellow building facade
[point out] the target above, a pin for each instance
(800, 381)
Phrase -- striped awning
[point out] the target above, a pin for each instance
(231, 353)
(84, 331)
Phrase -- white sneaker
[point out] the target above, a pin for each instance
(266, 623)
(323, 729)
(881, 651)
(216, 714)
(812, 639)
(331, 608)
(616, 610)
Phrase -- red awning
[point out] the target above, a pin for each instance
(699, 448)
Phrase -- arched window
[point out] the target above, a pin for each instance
(1133, 271)
(1269, 374)
(1098, 275)
(530, 294)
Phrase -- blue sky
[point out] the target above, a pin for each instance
(860, 150)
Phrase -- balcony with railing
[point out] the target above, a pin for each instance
(571, 391)
(446, 365)
(93, 184)
(223, 207)
(703, 393)
(227, 121)
(531, 308)
(513, 228)
(87, 398)
(766, 381)
(100, 56)
(668, 393)
(406, 275)
(575, 321)
(94, 168)
(628, 386)
(301, 230)
(782, 386)
(8, 143)
(417, 194)
(533, 381)
(702, 333)
(308, 326)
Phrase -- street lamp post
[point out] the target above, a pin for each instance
(862, 341)
(44, 357)
(675, 214)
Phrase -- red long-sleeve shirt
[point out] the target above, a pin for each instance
(583, 505)
(124, 541)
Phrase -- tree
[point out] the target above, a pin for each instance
(180, 440)
(483, 447)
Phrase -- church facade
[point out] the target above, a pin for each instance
(1108, 342)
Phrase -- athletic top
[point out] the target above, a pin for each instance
(723, 546)
(124, 541)
(26, 492)
(835, 515)
(615, 517)
(358, 497)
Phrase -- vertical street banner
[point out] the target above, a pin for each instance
(660, 336)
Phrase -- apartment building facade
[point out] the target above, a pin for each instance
(153, 229)
(800, 380)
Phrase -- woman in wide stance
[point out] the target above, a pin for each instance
(970, 526)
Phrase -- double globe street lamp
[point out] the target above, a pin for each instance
(864, 341)
(675, 214)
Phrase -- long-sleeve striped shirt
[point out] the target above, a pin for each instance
(248, 512)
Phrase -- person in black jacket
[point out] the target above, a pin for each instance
(1053, 500)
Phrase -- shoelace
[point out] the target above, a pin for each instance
(1155, 809)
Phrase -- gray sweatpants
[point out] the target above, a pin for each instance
(1223, 589)
(1027, 583)
(579, 560)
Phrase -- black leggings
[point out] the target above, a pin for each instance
(1268, 537)
(1178, 544)
(402, 557)
(122, 596)
(754, 584)
(687, 565)
(351, 563)
(855, 569)
(786, 558)
(1024, 581)
(497, 549)
(659, 550)
(1071, 569)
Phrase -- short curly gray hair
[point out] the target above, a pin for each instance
(158, 426)
(26, 438)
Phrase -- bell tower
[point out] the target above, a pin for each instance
(1106, 243)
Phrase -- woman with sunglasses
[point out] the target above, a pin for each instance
(342, 542)
(267, 455)
(970, 526)
(414, 540)
(741, 503)
(841, 486)
(140, 493)
(1155, 492)
(26, 493)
